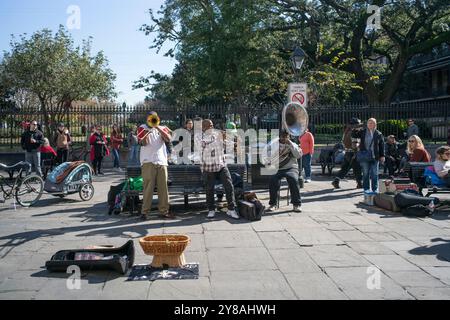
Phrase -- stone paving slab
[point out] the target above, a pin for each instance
(250, 285)
(391, 263)
(314, 286)
(293, 261)
(240, 259)
(232, 239)
(314, 236)
(336, 256)
(353, 282)
(278, 240)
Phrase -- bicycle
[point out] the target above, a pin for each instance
(25, 187)
(79, 154)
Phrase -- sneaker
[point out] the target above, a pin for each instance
(271, 209)
(233, 214)
(297, 209)
(335, 184)
(308, 180)
(101, 174)
(211, 215)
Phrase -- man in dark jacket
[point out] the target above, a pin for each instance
(31, 141)
(371, 142)
(350, 155)
(392, 156)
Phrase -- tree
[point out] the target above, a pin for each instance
(56, 72)
(407, 28)
(239, 50)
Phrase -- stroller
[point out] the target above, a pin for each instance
(69, 178)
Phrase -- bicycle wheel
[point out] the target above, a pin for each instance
(30, 190)
(87, 192)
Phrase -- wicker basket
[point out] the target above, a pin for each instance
(165, 249)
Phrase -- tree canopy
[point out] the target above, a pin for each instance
(239, 50)
(49, 67)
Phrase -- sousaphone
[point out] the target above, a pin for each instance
(295, 119)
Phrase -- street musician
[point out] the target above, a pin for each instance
(289, 153)
(154, 162)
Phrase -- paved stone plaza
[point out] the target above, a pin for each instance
(323, 253)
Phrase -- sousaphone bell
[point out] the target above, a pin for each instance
(295, 119)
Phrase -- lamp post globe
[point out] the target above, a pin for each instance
(297, 59)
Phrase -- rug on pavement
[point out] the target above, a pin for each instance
(147, 272)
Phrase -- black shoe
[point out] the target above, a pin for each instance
(335, 184)
(359, 185)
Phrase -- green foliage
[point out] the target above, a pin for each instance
(239, 50)
(54, 70)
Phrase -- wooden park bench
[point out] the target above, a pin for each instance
(185, 180)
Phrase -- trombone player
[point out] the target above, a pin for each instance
(154, 162)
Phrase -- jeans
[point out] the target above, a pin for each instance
(291, 176)
(133, 155)
(349, 163)
(370, 174)
(306, 165)
(34, 158)
(210, 182)
(116, 155)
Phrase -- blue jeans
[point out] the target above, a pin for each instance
(370, 173)
(133, 155)
(306, 165)
(116, 155)
(34, 158)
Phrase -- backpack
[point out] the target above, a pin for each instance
(251, 208)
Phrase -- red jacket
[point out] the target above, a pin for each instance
(307, 143)
(420, 155)
(48, 149)
(92, 140)
(116, 141)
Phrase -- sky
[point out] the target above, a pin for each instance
(113, 24)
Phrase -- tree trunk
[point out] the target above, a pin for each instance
(392, 84)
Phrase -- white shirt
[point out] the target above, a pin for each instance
(155, 151)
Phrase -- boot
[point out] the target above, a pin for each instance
(335, 184)
(359, 185)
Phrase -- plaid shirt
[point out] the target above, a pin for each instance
(212, 162)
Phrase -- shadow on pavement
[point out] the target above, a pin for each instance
(441, 250)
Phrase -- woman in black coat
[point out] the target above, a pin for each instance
(371, 140)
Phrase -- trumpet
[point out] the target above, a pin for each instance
(153, 121)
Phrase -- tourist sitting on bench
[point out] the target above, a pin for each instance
(417, 151)
(442, 164)
(288, 168)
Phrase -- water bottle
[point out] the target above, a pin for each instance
(432, 206)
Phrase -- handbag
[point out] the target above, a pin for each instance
(366, 155)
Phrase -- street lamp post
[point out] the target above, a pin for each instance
(297, 60)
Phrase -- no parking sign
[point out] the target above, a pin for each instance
(297, 92)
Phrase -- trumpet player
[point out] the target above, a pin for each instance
(289, 154)
(154, 162)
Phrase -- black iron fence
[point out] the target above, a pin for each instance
(327, 122)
